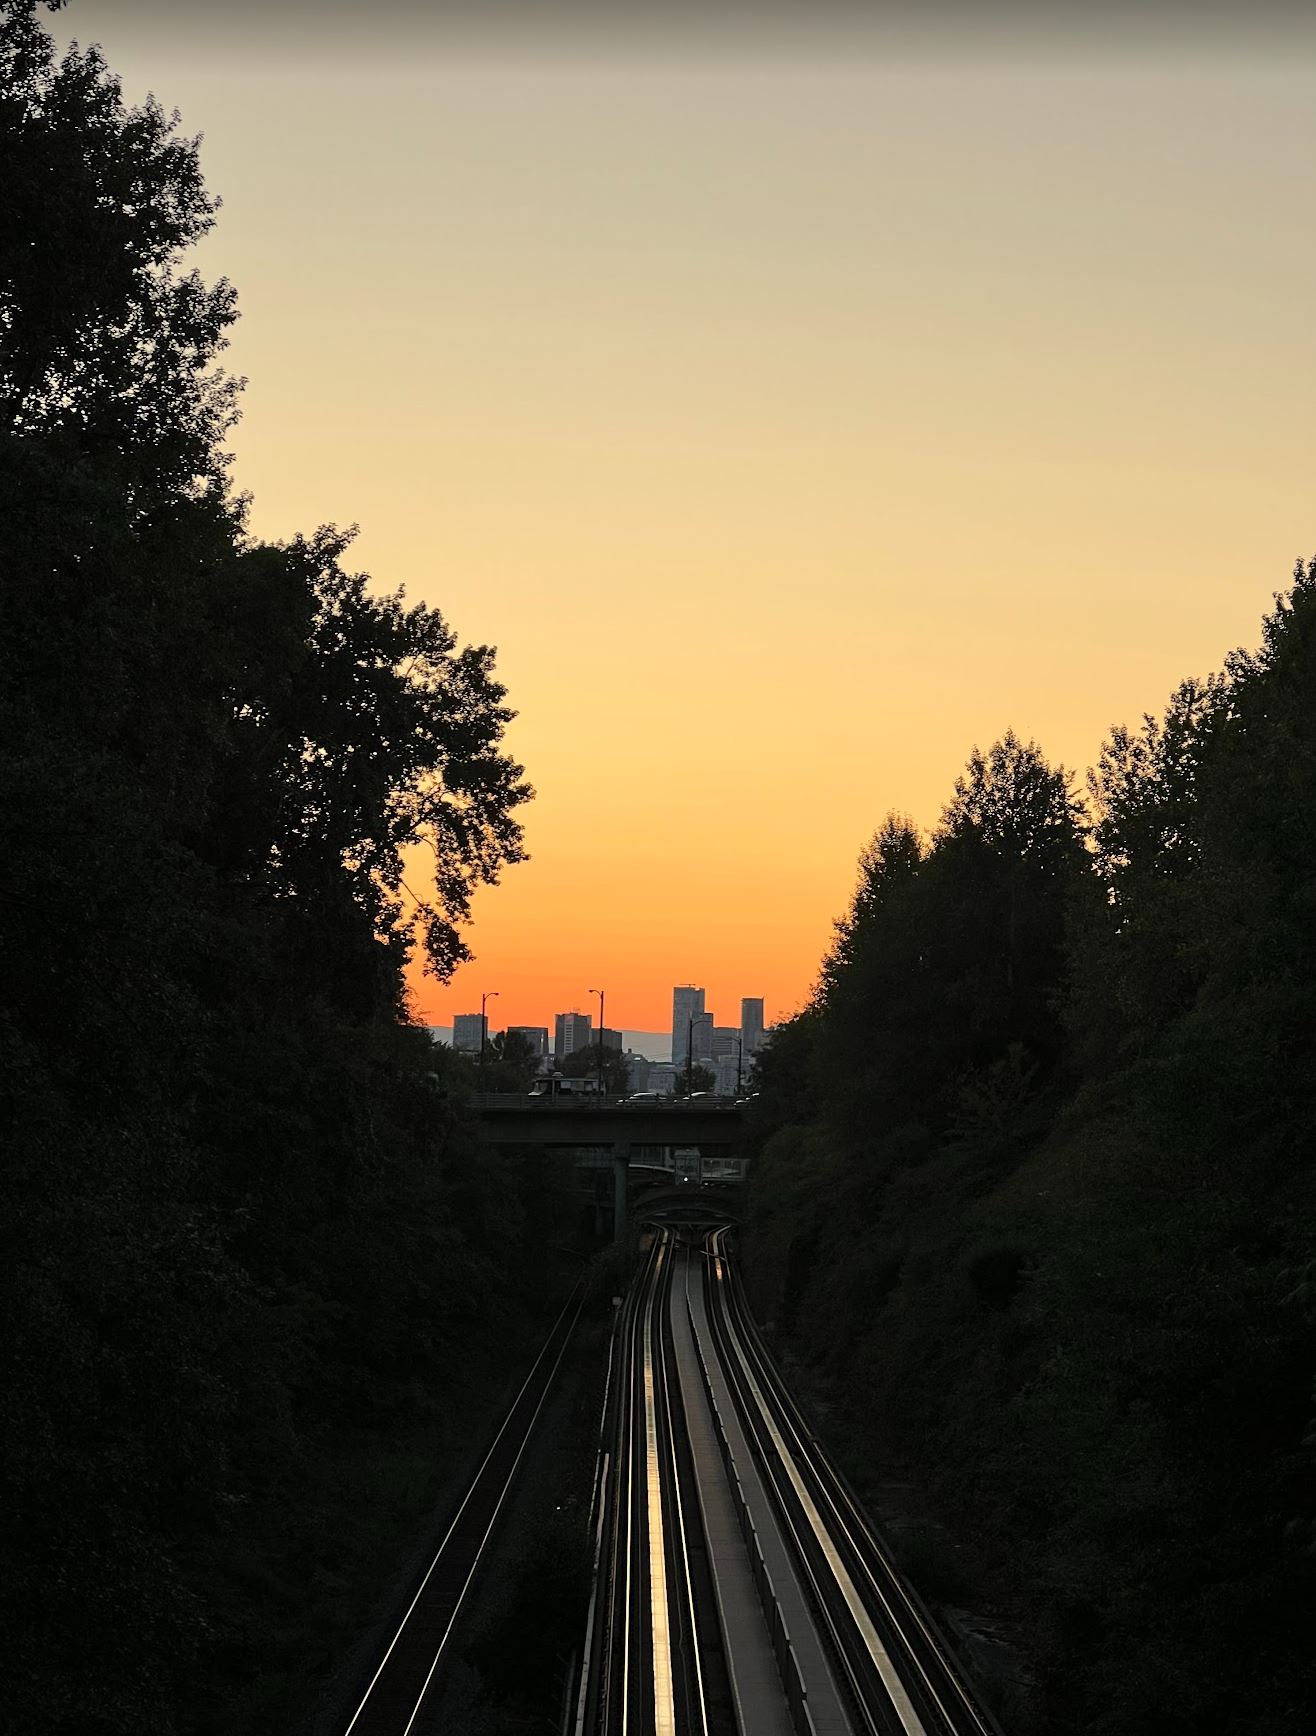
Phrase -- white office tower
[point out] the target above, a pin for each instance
(572, 1031)
(686, 1002)
(467, 1029)
(751, 1025)
(701, 1037)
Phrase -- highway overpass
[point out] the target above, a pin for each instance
(709, 1124)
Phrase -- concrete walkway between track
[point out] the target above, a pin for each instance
(825, 1704)
(755, 1680)
(755, 1683)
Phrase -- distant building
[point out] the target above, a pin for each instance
(701, 1037)
(610, 1039)
(662, 1078)
(726, 1041)
(637, 1073)
(726, 1075)
(751, 1025)
(686, 1002)
(571, 1031)
(535, 1035)
(467, 1031)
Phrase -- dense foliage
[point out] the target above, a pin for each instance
(247, 1223)
(1035, 1188)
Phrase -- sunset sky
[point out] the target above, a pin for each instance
(794, 403)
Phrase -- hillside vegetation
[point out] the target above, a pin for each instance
(1034, 1197)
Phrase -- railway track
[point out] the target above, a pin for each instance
(850, 1649)
(652, 1663)
(901, 1675)
(394, 1701)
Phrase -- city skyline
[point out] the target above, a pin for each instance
(571, 1028)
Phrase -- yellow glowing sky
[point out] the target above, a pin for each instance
(789, 426)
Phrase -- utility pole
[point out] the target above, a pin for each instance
(740, 1054)
(491, 995)
(599, 993)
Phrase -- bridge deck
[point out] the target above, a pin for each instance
(511, 1120)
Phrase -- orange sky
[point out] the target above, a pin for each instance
(790, 422)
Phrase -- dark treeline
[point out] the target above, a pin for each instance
(252, 1256)
(1034, 1199)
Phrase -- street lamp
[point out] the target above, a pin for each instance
(599, 993)
(690, 1060)
(740, 1055)
(491, 995)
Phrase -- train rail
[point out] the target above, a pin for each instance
(393, 1703)
(863, 1656)
(902, 1676)
(652, 1658)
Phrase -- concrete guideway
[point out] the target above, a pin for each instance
(827, 1709)
(900, 1674)
(686, 1638)
(751, 1666)
(742, 1590)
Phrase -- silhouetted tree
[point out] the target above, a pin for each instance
(1034, 1194)
(243, 1212)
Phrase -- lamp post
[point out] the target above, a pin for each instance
(690, 1060)
(740, 1055)
(599, 993)
(491, 995)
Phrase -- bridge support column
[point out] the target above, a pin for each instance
(621, 1163)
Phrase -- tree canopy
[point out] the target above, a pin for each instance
(1034, 1193)
(245, 1215)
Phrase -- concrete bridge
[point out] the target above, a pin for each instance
(612, 1123)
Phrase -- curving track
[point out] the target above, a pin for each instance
(394, 1702)
(676, 1642)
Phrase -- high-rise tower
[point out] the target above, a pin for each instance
(751, 1025)
(572, 1031)
(686, 1002)
(467, 1031)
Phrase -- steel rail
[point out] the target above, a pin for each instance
(929, 1668)
(948, 1696)
(660, 1655)
(801, 1540)
(597, 1515)
(616, 1635)
(576, 1297)
(694, 1701)
(643, 1672)
(874, 1654)
(618, 1681)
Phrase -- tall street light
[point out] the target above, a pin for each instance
(690, 1060)
(491, 995)
(599, 993)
